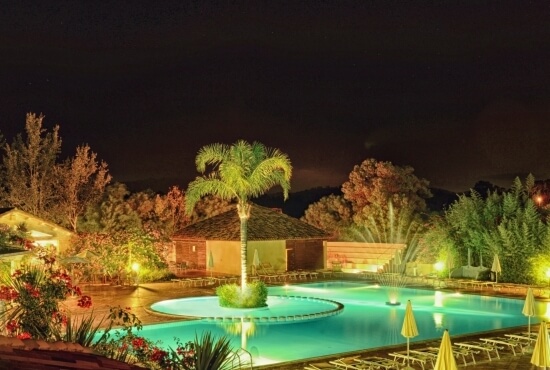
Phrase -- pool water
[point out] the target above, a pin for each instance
(366, 321)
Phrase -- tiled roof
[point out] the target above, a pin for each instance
(31, 354)
(263, 224)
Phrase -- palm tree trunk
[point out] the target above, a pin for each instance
(244, 215)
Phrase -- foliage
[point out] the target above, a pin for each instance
(332, 213)
(507, 224)
(374, 185)
(115, 253)
(169, 211)
(239, 171)
(388, 205)
(79, 182)
(33, 295)
(112, 213)
(209, 206)
(29, 163)
(124, 344)
(435, 244)
(212, 353)
(82, 331)
(255, 295)
(35, 182)
(13, 238)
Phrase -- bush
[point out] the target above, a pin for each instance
(33, 295)
(254, 296)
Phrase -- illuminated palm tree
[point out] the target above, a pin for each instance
(239, 172)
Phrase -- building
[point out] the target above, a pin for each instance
(39, 231)
(284, 242)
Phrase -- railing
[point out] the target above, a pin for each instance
(238, 362)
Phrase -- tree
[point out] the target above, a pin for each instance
(29, 164)
(112, 213)
(508, 224)
(388, 203)
(331, 213)
(79, 182)
(240, 171)
(374, 185)
(210, 206)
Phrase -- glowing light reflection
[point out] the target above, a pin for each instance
(438, 319)
(438, 299)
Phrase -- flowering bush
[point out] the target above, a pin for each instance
(33, 295)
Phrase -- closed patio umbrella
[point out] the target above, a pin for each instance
(256, 261)
(541, 353)
(409, 329)
(496, 267)
(210, 262)
(529, 310)
(445, 358)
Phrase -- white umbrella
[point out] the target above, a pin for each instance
(529, 310)
(256, 260)
(409, 329)
(496, 267)
(210, 262)
(541, 353)
(445, 357)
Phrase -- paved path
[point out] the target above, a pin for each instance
(140, 298)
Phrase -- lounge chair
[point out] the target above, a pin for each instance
(481, 347)
(321, 366)
(375, 362)
(267, 272)
(459, 352)
(346, 363)
(413, 357)
(505, 342)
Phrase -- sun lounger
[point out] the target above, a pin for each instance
(428, 353)
(325, 273)
(375, 362)
(414, 358)
(459, 352)
(182, 282)
(321, 366)
(346, 363)
(505, 342)
(481, 347)
(524, 338)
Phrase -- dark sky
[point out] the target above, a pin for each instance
(459, 90)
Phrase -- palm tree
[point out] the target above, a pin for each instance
(239, 172)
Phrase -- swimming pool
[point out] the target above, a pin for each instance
(366, 321)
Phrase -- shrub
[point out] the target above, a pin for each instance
(254, 296)
(33, 295)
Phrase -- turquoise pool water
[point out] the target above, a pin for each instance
(366, 321)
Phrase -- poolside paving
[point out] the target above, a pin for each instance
(139, 298)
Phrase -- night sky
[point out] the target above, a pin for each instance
(459, 90)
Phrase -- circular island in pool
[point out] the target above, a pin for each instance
(280, 309)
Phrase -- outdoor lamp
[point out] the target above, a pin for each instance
(439, 266)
